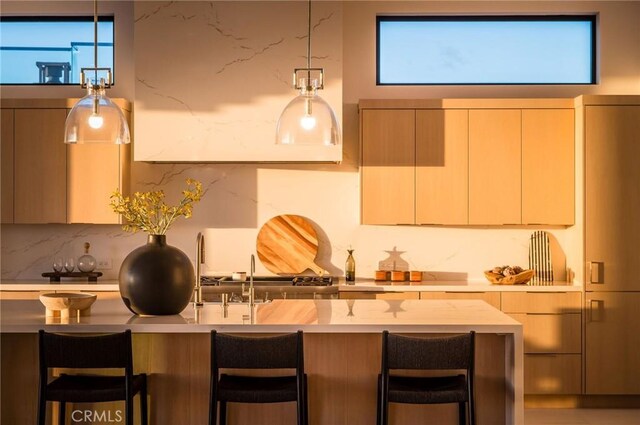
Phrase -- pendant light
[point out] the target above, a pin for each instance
(308, 119)
(95, 118)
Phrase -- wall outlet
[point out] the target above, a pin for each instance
(104, 264)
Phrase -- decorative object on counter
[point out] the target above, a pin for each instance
(415, 276)
(350, 267)
(58, 264)
(55, 276)
(382, 275)
(86, 262)
(507, 275)
(67, 304)
(308, 119)
(69, 264)
(394, 261)
(288, 244)
(156, 278)
(95, 118)
(148, 212)
(540, 258)
(399, 276)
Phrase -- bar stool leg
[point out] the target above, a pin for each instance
(61, 413)
(223, 413)
(306, 402)
(128, 411)
(143, 403)
(462, 413)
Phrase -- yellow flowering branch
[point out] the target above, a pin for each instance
(148, 212)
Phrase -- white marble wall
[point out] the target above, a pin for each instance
(221, 74)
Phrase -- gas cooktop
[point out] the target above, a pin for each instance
(288, 280)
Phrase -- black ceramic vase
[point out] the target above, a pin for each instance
(156, 279)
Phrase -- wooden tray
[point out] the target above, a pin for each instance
(517, 279)
(55, 276)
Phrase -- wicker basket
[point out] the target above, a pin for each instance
(517, 279)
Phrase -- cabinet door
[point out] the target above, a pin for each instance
(552, 374)
(492, 298)
(7, 165)
(548, 166)
(494, 166)
(612, 198)
(40, 166)
(442, 166)
(94, 171)
(388, 166)
(612, 343)
(367, 295)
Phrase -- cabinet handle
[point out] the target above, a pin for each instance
(596, 272)
(598, 314)
(464, 292)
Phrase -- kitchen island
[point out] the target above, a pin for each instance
(342, 356)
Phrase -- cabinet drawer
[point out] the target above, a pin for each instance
(366, 295)
(492, 298)
(552, 374)
(541, 302)
(551, 333)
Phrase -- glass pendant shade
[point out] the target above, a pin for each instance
(308, 120)
(96, 119)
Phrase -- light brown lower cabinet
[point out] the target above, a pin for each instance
(612, 343)
(551, 333)
(491, 298)
(369, 295)
(552, 373)
(552, 330)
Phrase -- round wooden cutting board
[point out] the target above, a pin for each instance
(288, 244)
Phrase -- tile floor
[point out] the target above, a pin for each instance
(582, 416)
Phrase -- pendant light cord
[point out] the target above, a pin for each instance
(95, 39)
(309, 44)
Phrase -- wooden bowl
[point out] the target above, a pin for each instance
(516, 279)
(65, 304)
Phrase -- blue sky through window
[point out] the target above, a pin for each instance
(24, 42)
(484, 52)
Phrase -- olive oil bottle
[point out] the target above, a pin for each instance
(350, 268)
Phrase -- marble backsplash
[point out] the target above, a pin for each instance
(238, 199)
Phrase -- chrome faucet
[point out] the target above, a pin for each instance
(197, 297)
(251, 293)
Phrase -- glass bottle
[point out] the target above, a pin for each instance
(350, 267)
(86, 263)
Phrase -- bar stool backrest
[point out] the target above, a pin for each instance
(277, 352)
(100, 351)
(440, 353)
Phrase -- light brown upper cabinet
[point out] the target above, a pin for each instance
(388, 166)
(6, 155)
(52, 182)
(442, 166)
(494, 166)
(548, 176)
(40, 174)
(475, 161)
(91, 182)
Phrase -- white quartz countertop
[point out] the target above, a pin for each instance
(370, 285)
(45, 285)
(363, 285)
(319, 316)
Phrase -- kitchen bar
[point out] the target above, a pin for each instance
(342, 355)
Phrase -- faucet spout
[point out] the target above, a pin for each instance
(197, 297)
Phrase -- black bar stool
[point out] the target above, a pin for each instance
(88, 352)
(277, 352)
(442, 353)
